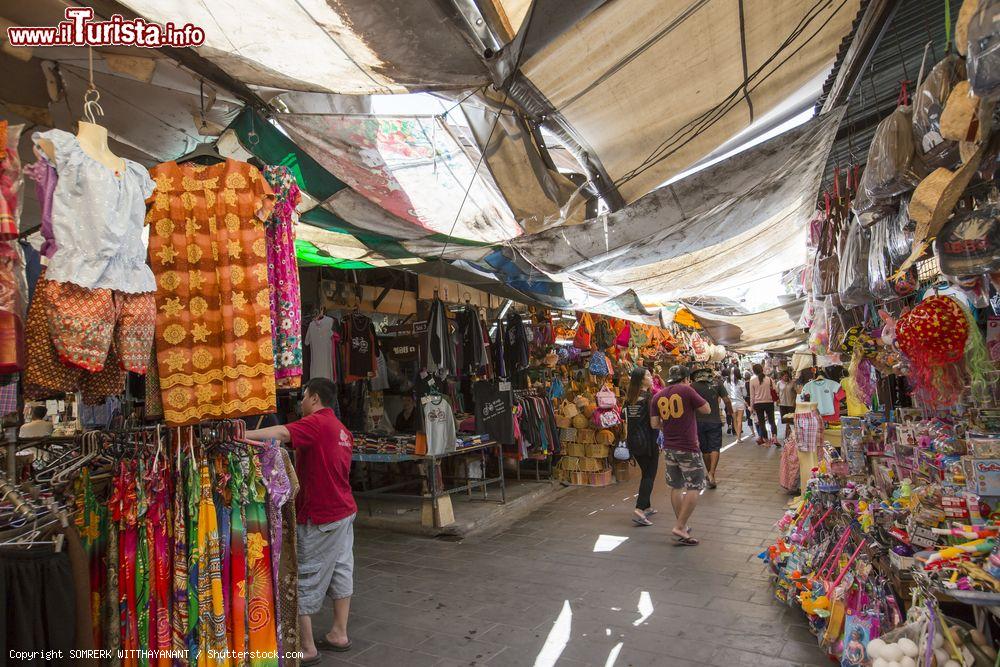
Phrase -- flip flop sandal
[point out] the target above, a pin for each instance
(712, 485)
(679, 538)
(324, 645)
(641, 522)
(315, 660)
(687, 542)
(651, 512)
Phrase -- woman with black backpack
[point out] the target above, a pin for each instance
(641, 440)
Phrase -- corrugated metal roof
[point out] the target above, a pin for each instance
(897, 58)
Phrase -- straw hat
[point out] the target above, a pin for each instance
(935, 199)
(959, 118)
(965, 15)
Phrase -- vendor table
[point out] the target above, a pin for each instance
(430, 474)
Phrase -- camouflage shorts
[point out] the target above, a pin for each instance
(685, 470)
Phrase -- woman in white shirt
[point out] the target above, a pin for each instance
(737, 394)
(762, 394)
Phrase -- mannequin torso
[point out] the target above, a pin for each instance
(94, 142)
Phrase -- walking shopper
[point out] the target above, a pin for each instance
(710, 426)
(641, 440)
(673, 411)
(762, 396)
(734, 386)
(325, 511)
(786, 394)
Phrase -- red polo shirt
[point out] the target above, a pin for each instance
(323, 464)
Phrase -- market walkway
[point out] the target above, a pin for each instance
(565, 574)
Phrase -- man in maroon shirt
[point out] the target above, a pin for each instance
(672, 410)
(325, 511)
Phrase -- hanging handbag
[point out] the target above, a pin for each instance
(774, 392)
(606, 418)
(581, 340)
(606, 399)
(624, 336)
(621, 452)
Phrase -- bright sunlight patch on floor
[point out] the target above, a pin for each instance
(613, 656)
(557, 639)
(645, 607)
(607, 543)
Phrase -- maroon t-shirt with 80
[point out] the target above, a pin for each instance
(323, 464)
(676, 406)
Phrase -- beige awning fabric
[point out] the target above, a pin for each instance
(348, 46)
(534, 192)
(717, 229)
(663, 79)
(771, 330)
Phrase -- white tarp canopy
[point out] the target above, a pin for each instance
(767, 331)
(348, 46)
(653, 86)
(410, 166)
(718, 228)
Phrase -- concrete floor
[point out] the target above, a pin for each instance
(515, 598)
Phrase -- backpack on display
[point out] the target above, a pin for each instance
(598, 364)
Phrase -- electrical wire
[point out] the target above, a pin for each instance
(716, 113)
(708, 118)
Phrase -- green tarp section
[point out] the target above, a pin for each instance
(309, 255)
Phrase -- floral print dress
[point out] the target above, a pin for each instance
(283, 275)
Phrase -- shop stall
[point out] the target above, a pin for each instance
(891, 548)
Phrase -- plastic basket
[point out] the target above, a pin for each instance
(567, 435)
(588, 464)
(576, 449)
(586, 435)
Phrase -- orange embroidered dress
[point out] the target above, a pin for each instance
(208, 251)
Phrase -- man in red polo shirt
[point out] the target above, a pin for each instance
(325, 511)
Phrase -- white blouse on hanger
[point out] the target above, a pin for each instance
(97, 217)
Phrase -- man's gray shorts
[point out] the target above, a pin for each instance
(326, 562)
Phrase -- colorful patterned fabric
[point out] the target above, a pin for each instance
(8, 396)
(179, 617)
(279, 490)
(212, 618)
(260, 592)
(239, 641)
(283, 276)
(82, 323)
(91, 522)
(13, 303)
(193, 497)
(10, 187)
(44, 174)
(45, 376)
(808, 431)
(112, 612)
(208, 249)
(288, 573)
(158, 516)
